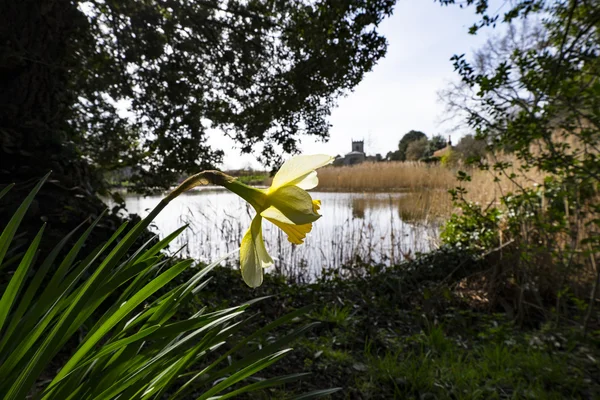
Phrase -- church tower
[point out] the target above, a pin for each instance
(358, 145)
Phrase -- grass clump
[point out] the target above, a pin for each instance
(460, 369)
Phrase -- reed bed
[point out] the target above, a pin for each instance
(386, 176)
(426, 184)
(410, 198)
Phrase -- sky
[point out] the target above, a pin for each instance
(401, 92)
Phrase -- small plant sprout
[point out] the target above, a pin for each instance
(286, 204)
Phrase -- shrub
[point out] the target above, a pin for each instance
(533, 92)
(549, 253)
(416, 149)
(471, 149)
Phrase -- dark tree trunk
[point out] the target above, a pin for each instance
(36, 59)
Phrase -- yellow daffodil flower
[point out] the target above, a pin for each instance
(286, 204)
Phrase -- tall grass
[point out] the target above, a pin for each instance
(386, 176)
(427, 184)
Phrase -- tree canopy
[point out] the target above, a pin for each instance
(93, 86)
(535, 91)
(143, 84)
(471, 149)
(416, 149)
(409, 137)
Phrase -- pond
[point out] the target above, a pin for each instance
(354, 226)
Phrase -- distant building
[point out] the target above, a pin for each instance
(445, 151)
(358, 146)
(356, 156)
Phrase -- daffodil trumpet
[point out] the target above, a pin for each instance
(287, 204)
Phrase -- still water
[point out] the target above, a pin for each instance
(354, 226)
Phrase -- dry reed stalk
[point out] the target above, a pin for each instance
(426, 184)
(486, 187)
(386, 176)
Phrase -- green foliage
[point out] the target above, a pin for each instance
(553, 122)
(254, 180)
(393, 156)
(415, 146)
(335, 315)
(405, 332)
(261, 72)
(534, 93)
(475, 228)
(416, 149)
(470, 149)
(438, 367)
(409, 137)
(437, 142)
(517, 9)
(546, 254)
(114, 325)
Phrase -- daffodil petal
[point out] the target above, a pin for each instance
(253, 254)
(295, 233)
(291, 205)
(316, 206)
(261, 251)
(273, 214)
(296, 168)
(251, 270)
(308, 181)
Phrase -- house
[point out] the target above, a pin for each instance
(445, 151)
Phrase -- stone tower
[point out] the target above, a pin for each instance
(358, 145)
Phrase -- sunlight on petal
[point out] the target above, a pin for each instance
(265, 260)
(296, 168)
(316, 206)
(290, 204)
(307, 182)
(296, 233)
(253, 254)
(273, 213)
(251, 271)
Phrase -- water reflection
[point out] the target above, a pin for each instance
(365, 226)
(358, 208)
